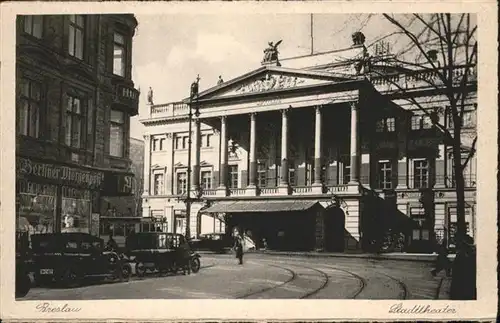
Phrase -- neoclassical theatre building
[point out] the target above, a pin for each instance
(311, 152)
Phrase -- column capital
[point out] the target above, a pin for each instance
(354, 105)
(223, 118)
(146, 137)
(318, 108)
(286, 110)
(253, 114)
(169, 135)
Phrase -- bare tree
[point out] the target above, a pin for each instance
(445, 58)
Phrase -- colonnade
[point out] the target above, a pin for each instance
(284, 180)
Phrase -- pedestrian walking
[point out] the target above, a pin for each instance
(238, 248)
(442, 261)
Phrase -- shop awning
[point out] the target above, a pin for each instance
(259, 206)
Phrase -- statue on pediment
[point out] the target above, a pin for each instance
(271, 52)
(150, 96)
(358, 38)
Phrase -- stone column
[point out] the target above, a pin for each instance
(223, 156)
(147, 164)
(251, 188)
(195, 179)
(355, 149)
(284, 152)
(317, 152)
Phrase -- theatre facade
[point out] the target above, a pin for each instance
(311, 153)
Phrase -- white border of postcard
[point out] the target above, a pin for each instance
(484, 307)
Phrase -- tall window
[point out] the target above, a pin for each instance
(74, 122)
(233, 176)
(420, 173)
(262, 175)
(181, 183)
(421, 122)
(468, 118)
(346, 173)
(184, 142)
(420, 231)
(119, 61)
(117, 132)
(28, 123)
(76, 35)
(386, 125)
(33, 25)
(158, 184)
(384, 174)
(206, 180)
(291, 174)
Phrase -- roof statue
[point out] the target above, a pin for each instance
(358, 39)
(150, 96)
(220, 81)
(271, 52)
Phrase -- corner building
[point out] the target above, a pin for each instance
(74, 99)
(311, 152)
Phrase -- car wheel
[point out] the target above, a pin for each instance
(23, 285)
(195, 265)
(140, 269)
(71, 278)
(126, 272)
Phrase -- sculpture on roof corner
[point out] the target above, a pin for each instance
(271, 53)
(150, 96)
(358, 39)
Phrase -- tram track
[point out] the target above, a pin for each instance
(362, 281)
(294, 276)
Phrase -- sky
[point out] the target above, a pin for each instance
(169, 51)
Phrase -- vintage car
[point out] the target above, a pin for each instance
(69, 258)
(217, 242)
(23, 265)
(160, 252)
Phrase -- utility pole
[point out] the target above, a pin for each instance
(312, 36)
(193, 96)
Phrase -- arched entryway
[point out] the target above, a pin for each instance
(334, 229)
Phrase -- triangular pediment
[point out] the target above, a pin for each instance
(266, 79)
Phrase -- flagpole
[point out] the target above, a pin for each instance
(312, 37)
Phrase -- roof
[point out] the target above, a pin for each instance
(260, 206)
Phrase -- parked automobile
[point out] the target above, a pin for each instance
(160, 252)
(23, 280)
(69, 258)
(217, 242)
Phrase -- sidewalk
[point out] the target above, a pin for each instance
(383, 256)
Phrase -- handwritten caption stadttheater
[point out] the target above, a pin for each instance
(47, 307)
(399, 308)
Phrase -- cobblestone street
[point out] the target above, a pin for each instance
(268, 277)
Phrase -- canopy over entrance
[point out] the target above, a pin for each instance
(260, 206)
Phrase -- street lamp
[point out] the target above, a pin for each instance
(192, 98)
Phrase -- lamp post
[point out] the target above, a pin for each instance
(192, 98)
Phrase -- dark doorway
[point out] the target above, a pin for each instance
(334, 229)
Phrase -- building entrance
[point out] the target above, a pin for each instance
(290, 231)
(334, 229)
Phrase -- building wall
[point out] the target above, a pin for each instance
(48, 58)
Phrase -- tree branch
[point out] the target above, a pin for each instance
(416, 42)
(471, 153)
(420, 107)
(428, 25)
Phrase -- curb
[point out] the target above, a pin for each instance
(402, 257)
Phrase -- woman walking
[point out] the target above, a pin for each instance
(238, 248)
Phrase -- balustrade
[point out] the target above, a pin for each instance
(237, 191)
(209, 192)
(269, 191)
(169, 109)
